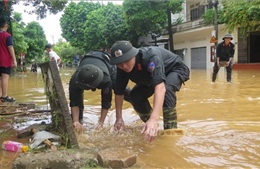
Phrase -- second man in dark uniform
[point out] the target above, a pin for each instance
(94, 72)
(225, 53)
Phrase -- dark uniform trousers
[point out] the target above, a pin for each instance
(140, 94)
(216, 69)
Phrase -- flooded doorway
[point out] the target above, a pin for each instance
(254, 47)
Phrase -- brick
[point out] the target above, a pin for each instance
(116, 158)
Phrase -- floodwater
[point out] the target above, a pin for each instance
(220, 122)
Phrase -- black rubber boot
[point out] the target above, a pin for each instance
(214, 76)
(215, 72)
(228, 77)
(169, 118)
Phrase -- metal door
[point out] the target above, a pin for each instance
(198, 58)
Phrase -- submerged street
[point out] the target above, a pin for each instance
(220, 122)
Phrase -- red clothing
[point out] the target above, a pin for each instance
(5, 56)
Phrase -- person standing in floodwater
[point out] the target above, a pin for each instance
(53, 55)
(7, 60)
(224, 55)
(34, 67)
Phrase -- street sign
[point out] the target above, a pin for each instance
(213, 39)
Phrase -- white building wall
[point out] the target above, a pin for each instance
(200, 37)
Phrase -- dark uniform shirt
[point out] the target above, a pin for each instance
(100, 60)
(152, 66)
(224, 52)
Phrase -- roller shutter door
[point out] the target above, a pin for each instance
(198, 58)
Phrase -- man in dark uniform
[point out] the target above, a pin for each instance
(224, 55)
(156, 71)
(94, 72)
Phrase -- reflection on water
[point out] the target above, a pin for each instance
(221, 122)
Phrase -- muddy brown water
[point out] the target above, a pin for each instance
(220, 121)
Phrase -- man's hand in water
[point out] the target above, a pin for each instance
(78, 127)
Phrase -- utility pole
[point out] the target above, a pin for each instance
(214, 38)
(215, 4)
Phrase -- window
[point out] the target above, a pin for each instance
(196, 13)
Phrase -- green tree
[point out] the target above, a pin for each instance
(147, 16)
(5, 8)
(41, 8)
(73, 21)
(104, 27)
(6, 11)
(36, 41)
(66, 51)
(241, 13)
(208, 16)
(236, 13)
(20, 44)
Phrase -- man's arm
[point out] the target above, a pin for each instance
(102, 118)
(232, 53)
(58, 61)
(106, 99)
(75, 113)
(76, 102)
(119, 124)
(120, 86)
(229, 61)
(151, 127)
(75, 118)
(12, 53)
(217, 54)
(159, 94)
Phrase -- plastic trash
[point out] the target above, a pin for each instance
(39, 137)
(14, 146)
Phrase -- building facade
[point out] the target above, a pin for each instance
(192, 38)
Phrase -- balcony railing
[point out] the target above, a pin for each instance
(187, 26)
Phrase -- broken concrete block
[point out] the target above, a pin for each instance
(116, 158)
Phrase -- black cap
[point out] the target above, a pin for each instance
(89, 76)
(122, 51)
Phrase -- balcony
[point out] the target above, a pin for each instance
(189, 25)
(186, 26)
